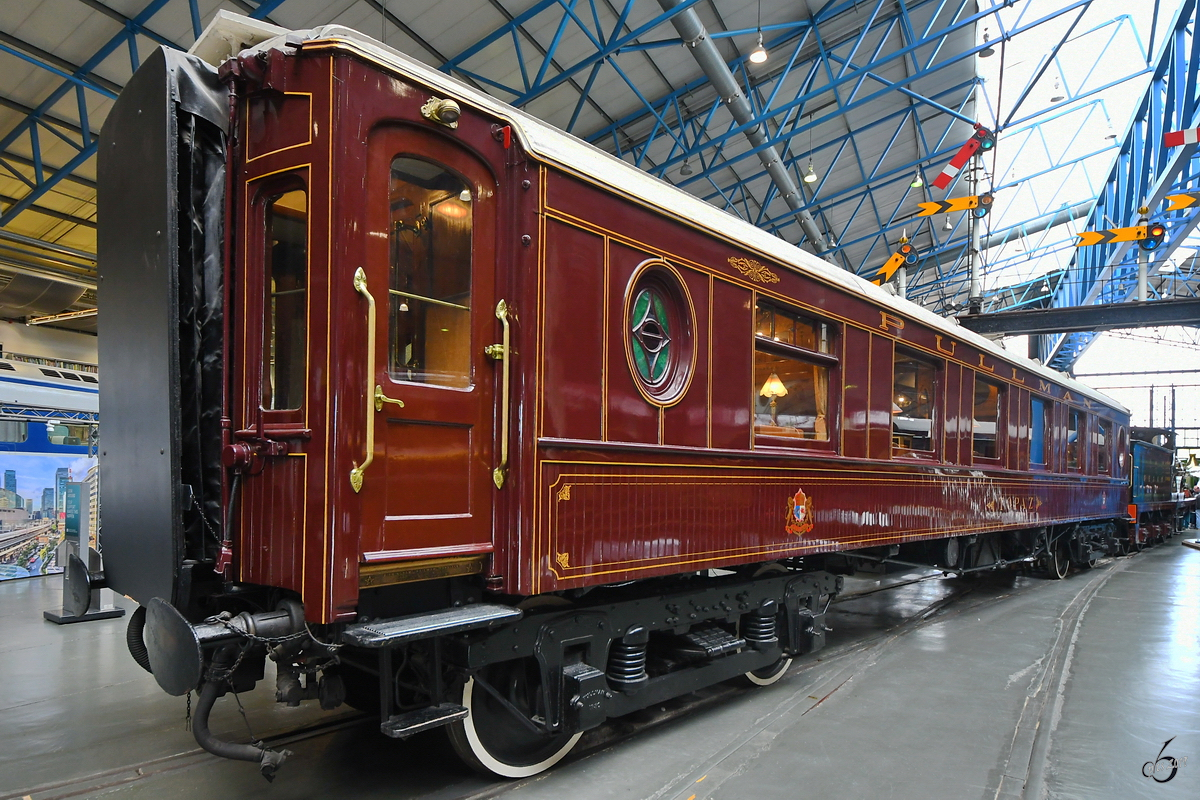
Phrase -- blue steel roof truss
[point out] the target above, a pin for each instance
(1144, 172)
(829, 73)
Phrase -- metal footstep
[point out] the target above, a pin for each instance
(390, 632)
(401, 726)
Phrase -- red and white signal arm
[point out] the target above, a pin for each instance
(1179, 138)
(981, 139)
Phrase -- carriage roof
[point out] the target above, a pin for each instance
(229, 34)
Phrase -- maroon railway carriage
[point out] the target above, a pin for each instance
(429, 390)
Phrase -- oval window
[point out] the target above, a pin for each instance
(658, 332)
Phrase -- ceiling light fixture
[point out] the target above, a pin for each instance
(686, 169)
(949, 226)
(1058, 96)
(1111, 136)
(917, 183)
(759, 54)
(811, 175)
(988, 51)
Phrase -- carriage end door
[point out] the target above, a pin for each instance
(430, 242)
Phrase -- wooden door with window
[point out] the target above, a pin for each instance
(430, 244)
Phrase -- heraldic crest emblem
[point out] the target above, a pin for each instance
(799, 514)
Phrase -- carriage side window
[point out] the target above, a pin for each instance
(1102, 438)
(430, 285)
(285, 355)
(913, 401)
(13, 431)
(985, 428)
(1039, 425)
(1074, 426)
(792, 361)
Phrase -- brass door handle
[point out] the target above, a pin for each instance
(356, 474)
(381, 398)
(503, 353)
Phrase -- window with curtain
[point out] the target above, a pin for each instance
(985, 427)
(1074, 428)
(1103, 441)
(285, 353)
(1039, 429)
(914, 384)
(793, 357)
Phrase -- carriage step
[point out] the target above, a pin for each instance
(391, 632)
(401, 726)
(709, 642)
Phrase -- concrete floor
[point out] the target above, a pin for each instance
(1000, 687)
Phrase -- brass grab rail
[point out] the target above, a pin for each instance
(360, 286)
(502, 352)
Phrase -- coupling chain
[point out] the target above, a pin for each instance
(222, 619)
(204, 519)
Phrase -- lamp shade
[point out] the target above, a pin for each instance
(759, 54)
(773, 387)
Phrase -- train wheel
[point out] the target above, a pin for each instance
(768, 674)
(492, 739)
(1060, 558)
(772, 672)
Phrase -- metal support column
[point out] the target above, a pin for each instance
(1143, 263)
(975, 298)
(700, 44)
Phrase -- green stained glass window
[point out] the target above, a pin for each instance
(651, 329)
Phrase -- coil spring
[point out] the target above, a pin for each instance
(759, 627)
(627, 664)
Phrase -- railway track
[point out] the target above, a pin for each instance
(815, 680)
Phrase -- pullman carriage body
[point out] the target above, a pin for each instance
(425, 371)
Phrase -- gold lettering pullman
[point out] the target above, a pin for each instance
(890, 321)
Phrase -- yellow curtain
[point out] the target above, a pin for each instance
(821, 389)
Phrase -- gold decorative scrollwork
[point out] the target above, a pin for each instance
(563, 560)
(565, 492)
(753, 270)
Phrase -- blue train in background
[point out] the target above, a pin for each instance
(47, 409)
(1156, 505)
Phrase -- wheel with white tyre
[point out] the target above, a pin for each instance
(503, 732)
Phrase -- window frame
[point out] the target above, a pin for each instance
(937, 406)
(830, 361)
(1047, 433)
(1103, 465)
(265, 194)
(1001, 420)
(1081, 432)
(391, 333)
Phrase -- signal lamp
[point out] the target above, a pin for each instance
(985, 205)
(909, 252)
(987, 139)
(1154, 237)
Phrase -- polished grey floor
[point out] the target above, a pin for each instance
(1000, 687)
